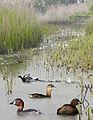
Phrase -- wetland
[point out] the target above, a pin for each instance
(59, 51)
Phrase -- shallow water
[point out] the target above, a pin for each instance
(63, 93)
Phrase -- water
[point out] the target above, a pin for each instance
(38, 67)
(48, 107)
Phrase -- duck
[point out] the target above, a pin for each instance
(27, 78)
(48, 92)
(20, 104)
(69, 109)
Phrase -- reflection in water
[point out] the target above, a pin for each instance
(43, 68)
(9, 73)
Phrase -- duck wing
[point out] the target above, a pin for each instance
(37, 95)
(33, 111)
(67, 109)
(29, 112)
(29, 79)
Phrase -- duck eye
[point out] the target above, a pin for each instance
(79, 102)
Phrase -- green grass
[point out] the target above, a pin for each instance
(79, 16)
(18, 30)
(81, 52)
(89, 28)
(48, 29)
(78, 53)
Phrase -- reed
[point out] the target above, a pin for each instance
(61, 13)
(48, 29)
(89, 28)
(18, 29)
(89, 114)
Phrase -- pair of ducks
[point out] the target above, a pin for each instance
(66, 109)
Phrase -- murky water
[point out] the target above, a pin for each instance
(38, 67)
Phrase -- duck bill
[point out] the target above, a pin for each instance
(11, 103)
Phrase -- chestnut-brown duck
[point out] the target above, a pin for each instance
(69, 109)
(20, 104)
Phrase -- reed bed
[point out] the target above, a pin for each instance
(77, 53)
(59, 13)
(19, 29)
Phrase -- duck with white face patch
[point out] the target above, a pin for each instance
(20, 104)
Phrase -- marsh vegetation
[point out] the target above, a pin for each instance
(18, 29)
(53, 45)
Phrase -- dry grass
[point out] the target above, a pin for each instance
(63, 12)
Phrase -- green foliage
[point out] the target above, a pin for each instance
(18, 30)
(89, 28)
(79, 16)
(81, 51)
(49, 29)
(91, 110)
(77, 54)
(91, 8)
(89, 113)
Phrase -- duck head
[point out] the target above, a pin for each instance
(19, 103)
(75, 102)
(49, 89)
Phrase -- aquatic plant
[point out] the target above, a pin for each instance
(48, 29)
(10, 72)
(77, 54)
(18, 29)
(91, 9)
(89, 28)
(89, 114)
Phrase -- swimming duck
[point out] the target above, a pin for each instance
(27, 78)
(48, 92)
(69, 109)
(20, 104)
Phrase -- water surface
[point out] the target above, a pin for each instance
(38, 67)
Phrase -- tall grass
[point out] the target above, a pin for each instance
(18, 29)
(62, 12)
(89, 28)
(47, 29)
